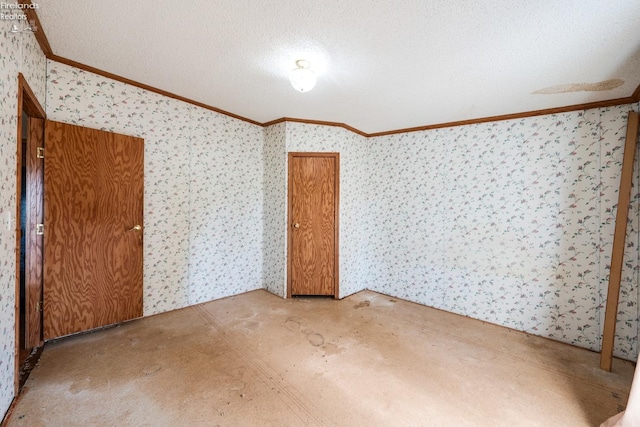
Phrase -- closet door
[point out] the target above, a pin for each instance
(313, 213)
(93, 228)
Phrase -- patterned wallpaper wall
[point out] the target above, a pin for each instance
(509, 222)
(226, 219)
(355, 227)
(203, 185)
(18, 53)
(274, 263)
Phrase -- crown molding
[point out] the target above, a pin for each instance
(46, 49)
(39, 33)
(121, 79)
(534, 113)
(315, 122)
(636, 95)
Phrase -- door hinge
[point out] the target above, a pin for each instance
(39, 229)
(40, 152)
(39, 306)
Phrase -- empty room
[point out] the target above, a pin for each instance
(298, 213)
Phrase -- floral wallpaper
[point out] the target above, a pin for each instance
(18, 53)
(355, 226)
(226, 189)
(612, 130)
(33, 65)
(274, 264)
(509, 222)
(203, 185)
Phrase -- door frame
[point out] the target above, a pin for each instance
(27, 102)
(336, 251)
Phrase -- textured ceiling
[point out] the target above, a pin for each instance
(381, 64)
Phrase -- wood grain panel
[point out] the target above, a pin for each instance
(313, 208)
(94, 195)
(33, 241)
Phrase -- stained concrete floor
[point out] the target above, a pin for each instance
(367, 360)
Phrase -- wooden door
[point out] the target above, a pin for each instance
(313, 218)
(33, 229)
(29, 246)
(93, 229)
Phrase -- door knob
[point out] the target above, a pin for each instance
(136, 227)
(296, 225)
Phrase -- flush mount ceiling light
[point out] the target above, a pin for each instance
(302, 78)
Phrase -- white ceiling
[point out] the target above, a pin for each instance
(381, 64)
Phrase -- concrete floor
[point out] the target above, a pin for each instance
(367, 360)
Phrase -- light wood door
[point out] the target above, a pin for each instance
(93, 229)
(33, 238)
(313, 215)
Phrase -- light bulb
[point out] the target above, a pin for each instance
(302, 78)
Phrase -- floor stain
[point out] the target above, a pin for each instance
(292, 324)
(150, 370)
(314, 338)
(362, 304)
(331, 349)
(394, 349)
(250, 325)
(79, 386)
(237, 385)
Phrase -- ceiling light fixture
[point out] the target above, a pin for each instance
(302, 78)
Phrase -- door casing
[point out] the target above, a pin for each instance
(336, 252)
(29, 104)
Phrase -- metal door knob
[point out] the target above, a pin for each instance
(296, 225)
(136, 227)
